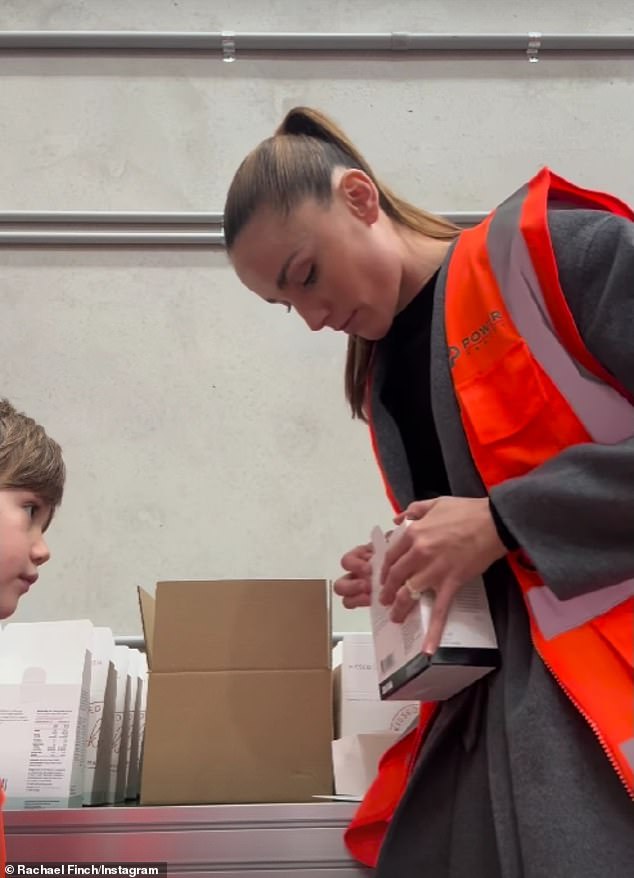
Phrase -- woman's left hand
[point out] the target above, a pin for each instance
(452, 540)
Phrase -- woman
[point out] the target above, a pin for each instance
(496, 369)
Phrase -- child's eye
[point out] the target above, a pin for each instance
(311, 277)
(33, 507)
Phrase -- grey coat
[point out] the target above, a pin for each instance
(511, 781)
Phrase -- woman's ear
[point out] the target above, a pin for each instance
(360, 195)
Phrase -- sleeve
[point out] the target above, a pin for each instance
(574, 515)
(507, 538)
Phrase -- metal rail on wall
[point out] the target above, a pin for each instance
(94, 228)
(164, 229)
(229, 43)
(137, 641)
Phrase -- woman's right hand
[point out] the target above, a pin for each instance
(355, 586)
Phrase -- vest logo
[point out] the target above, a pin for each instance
(475, 339)
(454, 353)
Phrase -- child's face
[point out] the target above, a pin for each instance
(23, 519)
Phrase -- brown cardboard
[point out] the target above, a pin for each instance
(240, 625)
(240, 693)
(237, 736)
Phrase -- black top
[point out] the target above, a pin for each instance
(406, 393)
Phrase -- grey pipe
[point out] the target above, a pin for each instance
(137, 641)
(463, 218)
(134, 641)
(158, 218)
(107, 217)
(224, 43)
(168, 228)
(112, 239)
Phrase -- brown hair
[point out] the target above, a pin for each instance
(29, 459)
(297, 163)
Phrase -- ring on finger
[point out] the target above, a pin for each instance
(414, 593)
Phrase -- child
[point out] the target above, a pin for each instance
(32, 475)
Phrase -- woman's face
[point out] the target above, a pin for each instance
(338, 265)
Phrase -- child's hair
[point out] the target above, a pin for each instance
(29, 459)
(297, 163)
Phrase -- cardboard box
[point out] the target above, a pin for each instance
(468, 648)
(358, 705)
(45, 671)
(356, 760)
(118, 760)
(103, 691)
(239, 702)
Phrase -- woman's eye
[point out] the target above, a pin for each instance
(311, 277)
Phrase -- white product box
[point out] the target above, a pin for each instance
(123, 771)
(355, 761)
(103, 691)
(468, 648)
(141, 731)
(118, 761)
(358, 705)
(45, 671)
(138, 671)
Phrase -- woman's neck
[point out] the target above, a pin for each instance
(422, 256)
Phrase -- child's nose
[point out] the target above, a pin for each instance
(40, 553)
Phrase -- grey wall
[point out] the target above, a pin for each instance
(205, 433)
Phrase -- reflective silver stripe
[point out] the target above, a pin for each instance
(627, 750)
(555, 616)
(607, 416)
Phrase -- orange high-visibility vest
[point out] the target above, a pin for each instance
(528, 388)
